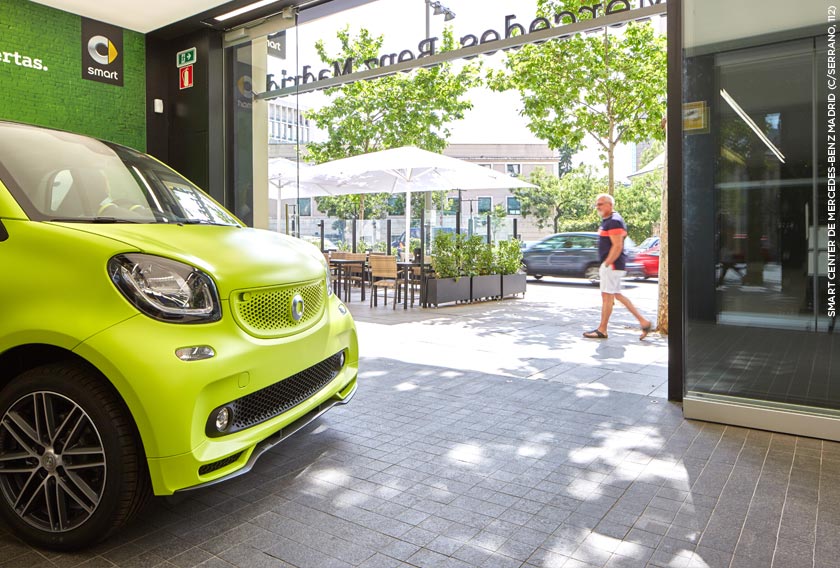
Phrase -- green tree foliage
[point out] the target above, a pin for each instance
(396, 204)
(398, 110)
(565, 204)
(578, 190)
(648, 155)
(540, 203)
(610, 85)
(497, 219)
(639, 204)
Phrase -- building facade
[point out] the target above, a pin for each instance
(757, 227)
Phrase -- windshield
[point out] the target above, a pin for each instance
(59, 176)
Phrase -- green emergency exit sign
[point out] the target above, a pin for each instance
(186, 57)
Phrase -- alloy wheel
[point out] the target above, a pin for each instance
(52, 462)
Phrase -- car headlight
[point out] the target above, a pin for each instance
(327, 277)
(164, 289)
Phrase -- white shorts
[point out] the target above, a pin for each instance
(611, 279)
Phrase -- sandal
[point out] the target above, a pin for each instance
(595, 334)
(645, 331)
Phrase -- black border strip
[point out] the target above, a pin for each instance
(676, 292)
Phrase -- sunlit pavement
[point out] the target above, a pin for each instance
(493, 435)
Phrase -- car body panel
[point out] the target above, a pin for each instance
(59, 294)
(172, 431)
(236, 257)
(9, 208)
(649, 259)
(568, 254)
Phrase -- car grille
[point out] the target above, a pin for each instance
(215, 466)
(276, 399)
(267, 312)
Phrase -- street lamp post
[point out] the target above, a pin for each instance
(439, 9)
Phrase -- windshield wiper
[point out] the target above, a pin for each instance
(202, 222)
(91, 220)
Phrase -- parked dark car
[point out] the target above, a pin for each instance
(572, 254)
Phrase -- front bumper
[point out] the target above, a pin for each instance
(171, 400)
(250, 458)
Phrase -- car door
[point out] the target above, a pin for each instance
(563, 258)
(538, 259)
(586, 253)
(576, 254)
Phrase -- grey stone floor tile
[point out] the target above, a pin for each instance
(467, 469)
(793, 552)
(246, 556)
(472, 554)
(400, 550)
(710, 558)
(427, 558)
(190, 558)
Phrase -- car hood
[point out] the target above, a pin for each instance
(235, 257)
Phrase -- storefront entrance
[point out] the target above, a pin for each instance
(759, 323)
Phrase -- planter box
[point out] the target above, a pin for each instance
(486, 287)
(513, 284)
(445, 290)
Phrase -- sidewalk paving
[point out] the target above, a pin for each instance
(493, 435)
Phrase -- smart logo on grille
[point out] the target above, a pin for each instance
(297, 307)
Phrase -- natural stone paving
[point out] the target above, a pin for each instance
(493, 435)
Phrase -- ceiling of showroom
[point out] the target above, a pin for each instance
(133, 15)
(150, 15)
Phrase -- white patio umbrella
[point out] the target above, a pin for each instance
(403, 170)
(399, 170)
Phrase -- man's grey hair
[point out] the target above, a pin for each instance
(606, 196)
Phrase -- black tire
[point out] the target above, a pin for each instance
(76, 470)
(591, 273)
(537, 276)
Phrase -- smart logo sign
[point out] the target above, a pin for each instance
(102, 48)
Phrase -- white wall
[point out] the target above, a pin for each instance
(713, 21)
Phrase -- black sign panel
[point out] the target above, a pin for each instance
(102, 52)
(277, 45)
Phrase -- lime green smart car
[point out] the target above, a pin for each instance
(149, 341)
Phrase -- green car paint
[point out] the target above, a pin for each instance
(67, 301)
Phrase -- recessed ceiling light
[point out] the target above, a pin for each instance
(243, 10)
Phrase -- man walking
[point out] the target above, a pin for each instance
(611, 251)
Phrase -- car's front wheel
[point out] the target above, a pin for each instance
(71, 467)
(592, 273)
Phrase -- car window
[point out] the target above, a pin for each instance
(74, 178)
(552, 243)
(60, 187)
(582, 242)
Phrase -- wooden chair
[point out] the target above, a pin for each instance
(332, 270)
(356, 272)
(383, 274)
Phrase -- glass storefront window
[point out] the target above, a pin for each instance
(755, 211)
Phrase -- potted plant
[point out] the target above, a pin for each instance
(485, 280)
(447, 263)
(509, 263)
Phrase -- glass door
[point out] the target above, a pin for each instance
(765, 187)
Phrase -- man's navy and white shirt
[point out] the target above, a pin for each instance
(610, 226)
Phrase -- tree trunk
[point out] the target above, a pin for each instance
(662, 311)
(611, 168)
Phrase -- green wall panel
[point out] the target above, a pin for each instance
(57, 96)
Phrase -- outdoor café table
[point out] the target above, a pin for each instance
(342, 275)
(406, 267)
